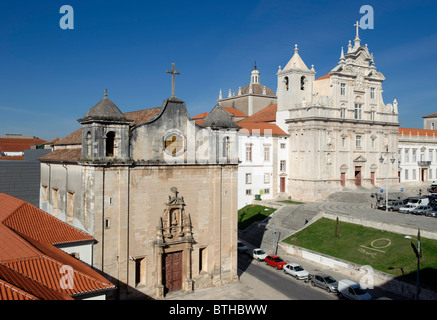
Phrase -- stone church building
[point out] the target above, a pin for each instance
(156, 190)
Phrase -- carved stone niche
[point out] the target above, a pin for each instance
(174, 225)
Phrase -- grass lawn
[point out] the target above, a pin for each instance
(290, 201)
(385, 251)
(251, 213)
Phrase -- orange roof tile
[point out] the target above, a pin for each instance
(326, 76)
(267, 114)
(200, 116)
(67, 155)
(261, 128)
(237, 113)
(30, 266)
(415, 132)
(432, 115)
(18, 144)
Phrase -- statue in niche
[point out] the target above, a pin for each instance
(174, 225)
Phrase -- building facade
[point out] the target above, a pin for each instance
(342, 134)
(156, 190)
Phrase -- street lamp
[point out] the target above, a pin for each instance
(418, 253)
(392, 160)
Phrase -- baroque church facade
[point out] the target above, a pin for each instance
(157, 191)
(342, 134)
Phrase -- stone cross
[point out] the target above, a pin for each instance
(357, 26)
(173, 78)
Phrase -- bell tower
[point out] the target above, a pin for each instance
(295, 86)
(105, 132)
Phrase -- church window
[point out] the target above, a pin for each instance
(70, 207)
(174, 144)
(302, 83)
(202, 259)
(88, 144)
(372, 93)
(343, 89)
(407, 156)
(226, 147)
(248, 178)
(358, 107)
(139, 271)
(414, 157)
(286, 83)
(110, 139)
(432, 126)
(372, 115)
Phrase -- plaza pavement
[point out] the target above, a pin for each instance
(291, 217)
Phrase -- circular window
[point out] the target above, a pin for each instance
(174, 144)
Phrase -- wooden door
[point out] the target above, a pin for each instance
(282, 184)
(372, 178)
(172, 271)
(358, 176)
(343, 179)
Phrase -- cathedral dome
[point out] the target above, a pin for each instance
(257, 89)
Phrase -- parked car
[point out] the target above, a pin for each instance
(296, 271)
(241, 247)
(432, 188)
(325, 281)
(421, 210)
(407, 208)
(258, 254)
(275, 261)
(352, 290)
(393, 205)
(432, 213)
(418, 201)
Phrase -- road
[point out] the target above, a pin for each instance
(287, 285)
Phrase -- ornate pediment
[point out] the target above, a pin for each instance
(360, 159)
(174, 224)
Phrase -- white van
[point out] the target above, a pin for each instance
(352, 290)
(419, 202)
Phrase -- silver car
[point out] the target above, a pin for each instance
(421, 210)
(325, 281)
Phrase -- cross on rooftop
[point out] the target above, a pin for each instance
(357, 26)
(173, 78)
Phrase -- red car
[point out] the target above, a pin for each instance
(275, 261)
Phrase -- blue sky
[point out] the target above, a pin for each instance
(50, 77)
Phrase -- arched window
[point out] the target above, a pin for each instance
(88, 144)
(110, 139)
(226, 147)
(302, 83)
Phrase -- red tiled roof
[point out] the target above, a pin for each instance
(30, 266)
(18, 144)
(261, 128)
(200, 116)
(415, 132)
(11, 157)
(326, 76)
(267, 114)
(67, 155)
(432, 115)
